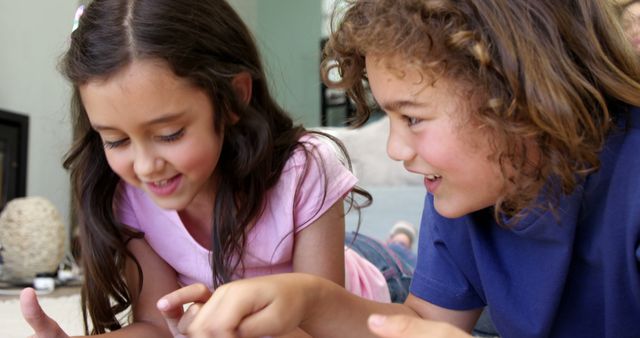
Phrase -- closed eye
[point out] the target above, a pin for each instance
(114, 144)
(173, 137)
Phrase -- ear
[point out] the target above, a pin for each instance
(243, 84)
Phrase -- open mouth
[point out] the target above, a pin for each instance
(431, 182)
(164, 187)
(162, 183)
(433, 177)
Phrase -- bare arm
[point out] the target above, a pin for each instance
(400, 326)
(330, 310)
(465, 320)
(158, 279)
(319, 250)
(278, 304)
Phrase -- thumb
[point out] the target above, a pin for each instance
(43, 326)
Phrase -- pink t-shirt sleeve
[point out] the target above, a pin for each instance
(325, 181)
(364, 279)
(312, 180)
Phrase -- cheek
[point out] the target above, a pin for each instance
(441, 150)
(487, 181)
(118, 163)
(465, 162)
(182, 158)
(198, 158)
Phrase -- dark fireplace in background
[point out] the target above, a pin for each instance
(14, 135)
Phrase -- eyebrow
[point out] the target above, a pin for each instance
(159, 120)
(399, 105)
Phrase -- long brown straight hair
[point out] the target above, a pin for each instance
(205, 42)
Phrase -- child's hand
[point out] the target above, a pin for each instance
(262, 306)
(412, 327)
(42, 325)
(171, 307)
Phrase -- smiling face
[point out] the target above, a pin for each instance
(158, 132)
(631, 24)
(429, 134)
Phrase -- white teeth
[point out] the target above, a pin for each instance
(432, 177)
(162, 183)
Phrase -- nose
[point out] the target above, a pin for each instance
(146, 162)
(398, 147)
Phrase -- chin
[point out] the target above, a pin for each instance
(447, 212)
(453, 210)
(169, 204)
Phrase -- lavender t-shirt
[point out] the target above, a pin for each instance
(300, 197)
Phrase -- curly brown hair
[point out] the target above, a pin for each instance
(547, 71)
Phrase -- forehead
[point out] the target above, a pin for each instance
(393, 75)
(404, 88)
(140, 92)
(394, 79)
(632, 12)
(150, 73)
(391, 66)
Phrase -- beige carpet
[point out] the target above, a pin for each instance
(65, 310)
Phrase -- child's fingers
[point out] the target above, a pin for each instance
(244, 309)
(188, 317)
(171, 314)
(221, 315)
(171, 306)
(43, 326)
(217, 317)
(194, 293)
(172, 317)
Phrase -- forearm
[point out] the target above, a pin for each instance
(332, 309)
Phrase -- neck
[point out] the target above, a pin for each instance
(197, 217)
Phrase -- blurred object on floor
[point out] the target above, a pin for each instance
(403, 233)
(33, 237)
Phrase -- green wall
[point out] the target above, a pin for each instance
(288, 35)
(33, 35)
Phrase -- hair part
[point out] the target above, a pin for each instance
(545, 88)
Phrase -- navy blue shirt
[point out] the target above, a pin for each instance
(571, 275)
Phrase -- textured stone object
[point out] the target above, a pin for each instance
(32, 236)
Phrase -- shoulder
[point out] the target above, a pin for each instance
(319, 145)
(315, 150)
(439, 229)
(621, 149)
